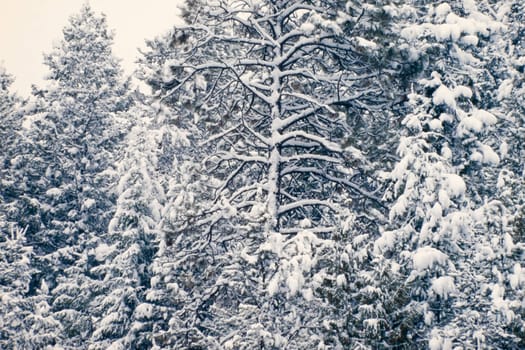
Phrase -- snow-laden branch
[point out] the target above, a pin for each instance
(262, 32)
(225, 156)
(229, 179)
(285, 123)
(295, 230)
(321, 157)
(305, 203)
(298, 6)
(310, 99)
(256, 134)
(220, 135)
(332, 178)
(311, 41)
(211, 36)
(331, 146)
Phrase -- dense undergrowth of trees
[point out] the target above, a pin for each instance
(298, 175)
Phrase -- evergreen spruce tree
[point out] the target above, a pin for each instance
(8, 105)
(445, 239)
(15, 260)
(506, 67)
(125, 257)
(74, 134)
(10, 134)
(25, 320)
(175, 155)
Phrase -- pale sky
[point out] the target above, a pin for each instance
(28, 28)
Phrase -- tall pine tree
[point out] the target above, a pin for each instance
(264, 92)
(74, 136)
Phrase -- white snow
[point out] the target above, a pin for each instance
(500, 303)
(412, 122)
(54, 192)
(305, 223)
(372, 324)
(358, 240)
(476, 156)
(479, 337)
(442, 10)
(231, 343)
(428, 318)
(298, 256)
(446, 31)
(364, 43)
(144, 311)
(503, 150)
(250, 259)
(462, 91)
(412, 32)
(485, 117)
(505, 89)
(517, 278)
(471, 40)
(443, 286)
(44, 288)
(113, 224)
(103, 251)
(446, 152)
(443, 95)
(399, 207)
(463, 56)
(89, 203)
(508, 243)
(173, 287)
(454, 185)
(273, 285)
(257, 211)
(432, 83)
(109, 319)
(307, 27)
(294, 278)
(435, 213)
(426, 257)
(455, 224)
(155, 281)
(469, 124)
(308, 294)
(489, 156)
(385, 242)
(445, 117)
(435, 124)
(450, 26)
(200, 82)
(470, 6)
(341, 280)
(435, 342)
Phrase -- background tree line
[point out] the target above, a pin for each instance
(299, 175)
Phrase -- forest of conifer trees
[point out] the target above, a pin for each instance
(275, 175)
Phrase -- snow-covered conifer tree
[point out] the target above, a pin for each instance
(74, 131)
(264, 92)
(124, 258)
(9, 134)
(25, 320)
(445, 240)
